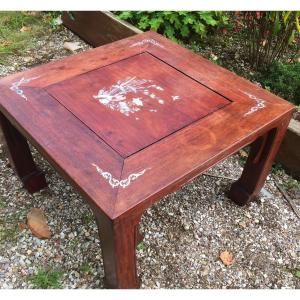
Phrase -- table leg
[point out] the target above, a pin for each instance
(118, 242)
(262, 153)
(20, 157)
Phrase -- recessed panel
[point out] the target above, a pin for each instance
(135, 102)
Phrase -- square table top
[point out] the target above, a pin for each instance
(130, 121)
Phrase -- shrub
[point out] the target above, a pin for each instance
(284, 80)
(268, 34)
(178, 25)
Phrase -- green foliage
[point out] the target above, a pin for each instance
(297, 274)
(283, 80)
(178, 25)
(141, 247)
(85, 268)
(46, 279)
(269, 34)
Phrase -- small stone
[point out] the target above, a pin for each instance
(72, 46)
(226, 258)
(205, 271)
(243, 224)
(3, 260)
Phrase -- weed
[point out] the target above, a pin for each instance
(88, 218)
(85, 268)
(46, 279)
(141, 247)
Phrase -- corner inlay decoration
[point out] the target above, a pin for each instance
(15, 87)
(148, 41)
(260, 104)
(115, 182)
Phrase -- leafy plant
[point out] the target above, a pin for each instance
(297, 274)
(178, 25)
(46, 279)
(282, 79)
(268, 34)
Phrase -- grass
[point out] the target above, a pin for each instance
(88, 218)
(13, 40)
(46, 279)
(141, 247)
(2, 204)
(297, 274)
(85, 268)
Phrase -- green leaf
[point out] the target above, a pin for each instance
(188, 19)
(291, 37)
(199, 28)
(297, 274)
(207, 17)
(185, 31)
(155, 23)
(125, 15)
(169, 31)
(144, 22)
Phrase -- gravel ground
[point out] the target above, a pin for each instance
(184, 233)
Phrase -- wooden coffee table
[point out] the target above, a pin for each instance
(132, 121)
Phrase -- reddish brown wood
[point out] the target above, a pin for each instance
(258, 165)
(121, 162)
(127, 135)
(20, 157)
(119, 240)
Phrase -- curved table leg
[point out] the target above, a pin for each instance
(262, 153)
(20, 157)
(118, 240)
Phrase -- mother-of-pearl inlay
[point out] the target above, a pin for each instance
(115, 182)
(260, 103)
(147, 41)
(15, 87)
(117, 96)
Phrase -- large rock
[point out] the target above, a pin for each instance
(37, 223)
(289, 152)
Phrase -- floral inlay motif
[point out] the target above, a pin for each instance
(260, 103)
(15, 87)
(113, 182)
(147, 41)
(118, 97)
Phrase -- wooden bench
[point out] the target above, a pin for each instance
(132, 121)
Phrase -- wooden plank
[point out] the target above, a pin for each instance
(98, 27)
